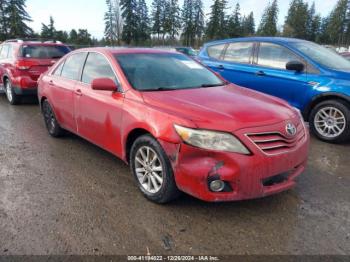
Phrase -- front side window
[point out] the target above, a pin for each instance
(149, 72)
(4, 51)
(43, 51)
(73, 65)
(322, 55)
(275, 56)
(97, 67)
(239, 52)
(215, 51)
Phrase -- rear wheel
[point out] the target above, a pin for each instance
(330, 121)
(152, 170)
(51, 123)
(12, 97)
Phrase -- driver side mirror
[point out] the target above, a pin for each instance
(104, 84)
(295, 66)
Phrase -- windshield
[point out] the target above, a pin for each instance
(149, 72)
(44, 51)
(323, 56)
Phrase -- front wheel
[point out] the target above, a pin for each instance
(152, 170)
(330, 121)
(12, 97)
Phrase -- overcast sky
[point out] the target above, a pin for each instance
(89, 14)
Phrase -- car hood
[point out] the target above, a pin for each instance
(226, 108)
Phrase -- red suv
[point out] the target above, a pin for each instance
(22, 62)
(178, 125)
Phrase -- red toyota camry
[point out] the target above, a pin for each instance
(179, 126)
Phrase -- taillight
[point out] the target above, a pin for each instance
(24, 64)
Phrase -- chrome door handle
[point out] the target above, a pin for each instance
(78, 92)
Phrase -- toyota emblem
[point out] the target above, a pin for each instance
(291, 129)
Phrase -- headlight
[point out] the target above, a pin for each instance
(211, 140)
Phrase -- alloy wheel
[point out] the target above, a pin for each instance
(330, 122)
(149, 169)
(8, 91)
(49, 117)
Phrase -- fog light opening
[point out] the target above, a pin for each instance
(217, 186)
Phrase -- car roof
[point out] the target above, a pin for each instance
(257, 39)
(126, 50)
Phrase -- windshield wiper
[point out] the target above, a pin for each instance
(159, 89)
(213, 85)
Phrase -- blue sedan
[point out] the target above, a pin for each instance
(310, 77)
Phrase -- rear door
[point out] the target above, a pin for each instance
(271, 77)
(62, 87)
(236, 63)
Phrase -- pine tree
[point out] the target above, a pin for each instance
(3, 20)
(248, 25)
(172, 22)
(188, 22)
(130, 18)
(48, 31)
(17, 19)
(297, 20)
(336, 27)
(109, 23)
(235, 23)
(199, 23)
(217, 23)
(143, 28)
(157, 17)
(268, 24)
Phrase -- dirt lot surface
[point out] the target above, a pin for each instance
(67, 196)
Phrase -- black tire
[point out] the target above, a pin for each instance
(51, 123)
(168, 190)
(344, 108)
(12, 97)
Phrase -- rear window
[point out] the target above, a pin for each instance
(44, 51)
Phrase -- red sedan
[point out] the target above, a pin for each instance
(179, 126)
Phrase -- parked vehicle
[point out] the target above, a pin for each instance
(189, 51)
(346, 55)
(22, 62)
(179, 126)
(310, 77)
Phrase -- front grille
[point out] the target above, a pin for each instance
(272, 143)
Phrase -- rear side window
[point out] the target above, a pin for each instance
(4, 51)
(97, 66)
(215, 51)
(275, 56)
(239, 52)
(43, 51)
(58, 70)
(72, 66)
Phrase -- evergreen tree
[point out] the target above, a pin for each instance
(130, 18)
(109, 23)
(336, 27)
(235, 23)
(297, 20)
(73, 36)
(268, 24)
(143, 29)
(48, 31)
(248, 25)
(188, 22)
(3, 19)
(62, 36)
(17, 19)
(172, 22)
(199, 23)
(217, 23)
(157, 17)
